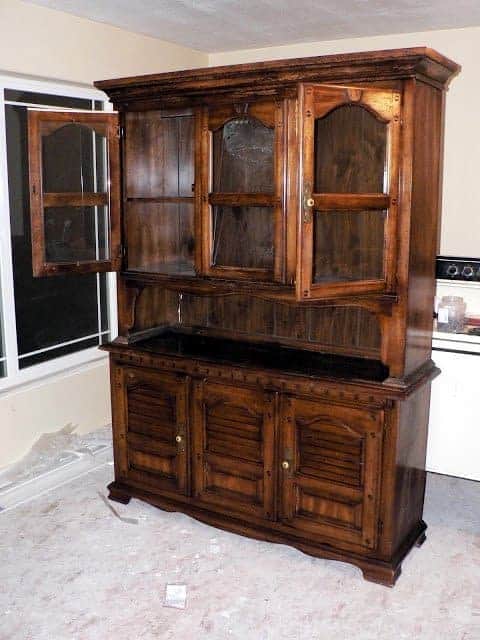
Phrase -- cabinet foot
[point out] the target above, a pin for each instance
(382, 575)
(117, 494)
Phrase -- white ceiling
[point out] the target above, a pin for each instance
(226, 25)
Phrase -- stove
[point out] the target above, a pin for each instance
(459, 277)
(454, 437)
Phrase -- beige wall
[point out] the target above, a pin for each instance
(80, 398)
(40, 42)
(461, 198)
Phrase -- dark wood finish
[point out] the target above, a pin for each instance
(338, 434)
(373, 114)
(75, 199)
(160, 236)
(233, 449)
(262, 77)
(242, 163)
(272, 371)
(330, 470)
(348, 330)
(152, 430)
(41, 123)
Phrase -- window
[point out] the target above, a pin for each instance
(48, 323)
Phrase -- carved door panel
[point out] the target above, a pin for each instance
(233, 448)
(330, 470)
(151, 429)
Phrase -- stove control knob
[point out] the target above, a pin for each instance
(467, 271)
(452, 270)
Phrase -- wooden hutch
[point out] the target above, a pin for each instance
(274, 226)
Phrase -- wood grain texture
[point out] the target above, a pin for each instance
(337, 329)
(425, 223)
(264, 77)
(41, 123)
(303, 404)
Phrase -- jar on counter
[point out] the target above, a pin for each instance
(451, 314)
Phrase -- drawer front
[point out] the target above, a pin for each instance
(330, 470)
(151, 430)
(233, 440)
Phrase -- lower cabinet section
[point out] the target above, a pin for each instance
(314, 473)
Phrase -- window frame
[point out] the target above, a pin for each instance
(14, 375)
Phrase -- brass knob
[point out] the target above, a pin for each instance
(286, 464)
(310, 202)
(178, 439)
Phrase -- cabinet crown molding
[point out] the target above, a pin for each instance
(268, 77)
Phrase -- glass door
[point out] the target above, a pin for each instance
(242, 203)
(350, 183)
(74, 192)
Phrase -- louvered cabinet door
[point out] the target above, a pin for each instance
(233, 435)
(151, 430)
(330, 470)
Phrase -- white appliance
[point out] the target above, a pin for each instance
(454, 430)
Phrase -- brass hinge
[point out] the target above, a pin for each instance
(120, 132)
(380, 527)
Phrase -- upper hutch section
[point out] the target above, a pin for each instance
(294, 200)
(281, 174)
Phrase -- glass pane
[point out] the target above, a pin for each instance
(73, 159)
(49, 311)
(159, 152)
(243, 237)
(160, 237)
(243, 157)
(76, 234)
(348, 245)
(350, 152)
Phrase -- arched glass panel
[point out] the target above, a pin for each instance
(243, 152)
(350, 150)
(73, 160)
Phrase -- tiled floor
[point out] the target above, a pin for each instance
(71, 570)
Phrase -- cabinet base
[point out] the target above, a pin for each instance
(382, 572)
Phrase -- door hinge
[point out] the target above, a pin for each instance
(122, 252)
(380, 527)
(121, 132)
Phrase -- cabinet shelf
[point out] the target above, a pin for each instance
(170, 278)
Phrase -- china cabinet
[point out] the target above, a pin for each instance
(274, 226)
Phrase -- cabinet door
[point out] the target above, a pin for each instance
(233, 450)
(330, 470)
(74, 192)
(151, 430)
(350, 148)
(241, 167)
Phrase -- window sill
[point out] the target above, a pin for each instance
(57, 367)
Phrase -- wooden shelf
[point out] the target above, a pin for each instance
(172, 280)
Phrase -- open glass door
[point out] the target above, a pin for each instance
(74, 192)
(350, 183)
